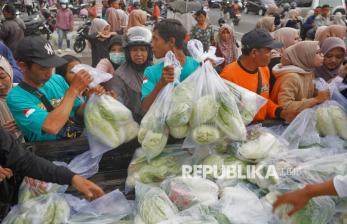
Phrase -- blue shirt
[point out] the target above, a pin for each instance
(30, 113)
(153, 75)
(7, 53)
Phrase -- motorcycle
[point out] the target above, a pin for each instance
(36, 25)
(80, 41)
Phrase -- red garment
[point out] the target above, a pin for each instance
(156, 11)
(92, 11)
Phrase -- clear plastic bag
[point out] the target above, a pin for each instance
(186, 192)
(98, 76)
(198, 214)
(108, 123)
(242, 206)
(215, 113)
(154, 132)
(248, 102)
(49, 208)
(302, 130)
(167, 164)
(83, 164)
(153, 205)
(335, 87)
(110, 208)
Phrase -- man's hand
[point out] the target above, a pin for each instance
(167, 75)
(323, 96)
(5, 173)
(98, 90)
(80, 82)
(298, 199)
(11, 127)
(90, 190)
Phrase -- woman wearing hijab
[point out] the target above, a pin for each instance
(288, 37)
(128, 78)
(267, 22)
(6, 81)
(294, 90)
(226, 45)
(115, 58)
(333, 49)
(339, 19)
(99, 38)
(293, 20)
(137, 17)
(118, 20)
(324, 32)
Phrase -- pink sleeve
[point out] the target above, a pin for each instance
(105, 66)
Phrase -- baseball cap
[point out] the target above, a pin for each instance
(259, 38)
(39, 51)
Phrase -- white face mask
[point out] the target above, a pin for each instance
(63, 6)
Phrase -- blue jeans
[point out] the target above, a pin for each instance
(62, 34)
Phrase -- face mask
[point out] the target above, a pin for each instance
(63, 6)
(117, 58)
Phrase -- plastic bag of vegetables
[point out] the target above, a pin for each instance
(82, 164)
(154, 132)
(242, 206)
(215, 114)
(198, 214)
(185, 192)
(109, 124)
(260, 144)
(49, 208)
(248, 102)
(153, 205)
(167, 164)
(111, 208)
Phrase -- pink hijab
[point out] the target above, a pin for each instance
(227, 48)
(137, 17)
(324, 32)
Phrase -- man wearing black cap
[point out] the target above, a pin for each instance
(251, 71)
(43, 104)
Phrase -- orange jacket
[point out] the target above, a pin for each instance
(234, 73)
(156, 11)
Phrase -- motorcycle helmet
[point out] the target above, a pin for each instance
(64, 3)
(84, 13)
(221, 22)
(286, 7)
(293, 5)
(138, 36)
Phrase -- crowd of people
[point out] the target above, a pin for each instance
(41, 98)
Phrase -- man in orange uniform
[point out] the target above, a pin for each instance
(251, 72)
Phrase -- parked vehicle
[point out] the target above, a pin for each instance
(258, 6)
(307, 5)
(80, 41)
(37, 25)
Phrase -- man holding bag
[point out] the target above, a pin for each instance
(44, 106)
(168, 35)
(250, 71)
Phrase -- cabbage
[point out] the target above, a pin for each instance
(325, 124)
(205, 110)
(154, 171)
(154, 143)
(183, 93)
(112, 110)
(214, 160)
(340, 120)
(105, 118)
(179, 114)
(221, 147)
(186, 192)
(131, 131)
(206, 134)
(179, 132)
(50, 208)
(319, 210)
(231, 124)
(153, 205)
(258, 146)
